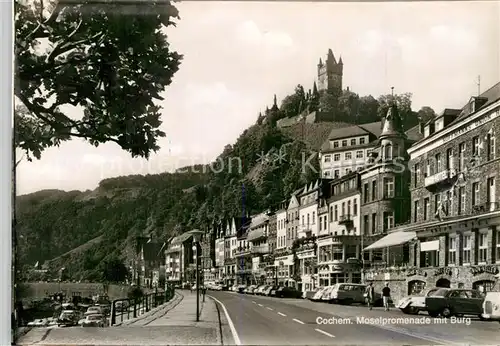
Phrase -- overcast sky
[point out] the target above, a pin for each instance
(237, 55)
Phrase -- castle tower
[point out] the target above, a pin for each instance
(392, 138)
(330, 74)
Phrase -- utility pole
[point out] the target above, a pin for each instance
(478, 85)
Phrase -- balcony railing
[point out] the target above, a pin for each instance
(241, 251)
(438, 178)
(345, 219)
(485, 208)
(260, 249)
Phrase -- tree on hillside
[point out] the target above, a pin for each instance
(425, 114)
(114, 270)
(101, 59)
(348, 106)
(367, 110)
(328, 102)
(403, 101)
(295, 103)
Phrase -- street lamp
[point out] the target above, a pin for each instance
(196, 239)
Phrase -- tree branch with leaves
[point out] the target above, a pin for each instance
(96, 58)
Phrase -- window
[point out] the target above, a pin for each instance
(336, 213)
(429, 168)
(325, 220)
(475, 194)
(374, 223)
(475, 146)
(366, 225)
(348, 207)
(388, 152)
(427, 207)
(388, 220)
(336, 157)
(491, 190)
(320, 222)
(388, 188)
(452, 251)
(355, 207)
(303, 223)
(353, 141)
(461, 157)
(308, 219)
(314, 218)
(498, 246)
(331, 212)
(347, 171)
(337, 252)
(416, 174)
(328, 158)
(483, 247)
(449, 159)
(359, 154)
(374, 190)
(336, 173)
(461, 200)
(416, 211)
(362, 140)
(336, 144)
(344, 143)
(467, 249)
(436, 203)
(365, 193)
(343, 208)
(439, 166)
(348, 156)
(490, 142)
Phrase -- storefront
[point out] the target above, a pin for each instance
(284, 266)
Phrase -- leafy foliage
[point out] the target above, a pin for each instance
(114, 271)
(100, 60)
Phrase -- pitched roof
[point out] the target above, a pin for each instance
(181, 238)
(492, 94)
(414, 134)
(374, 129)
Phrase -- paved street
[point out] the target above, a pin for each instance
(265, 320)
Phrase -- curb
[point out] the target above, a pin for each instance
(167, 306)
(225, 335)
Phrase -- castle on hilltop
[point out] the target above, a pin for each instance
(330, 74)
(329, 81)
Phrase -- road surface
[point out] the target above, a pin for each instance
(274, 321)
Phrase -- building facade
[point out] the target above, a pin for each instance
(281, 227)
(293, 219)
(308, 210)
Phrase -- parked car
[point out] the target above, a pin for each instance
(94, 310)
(269, 290)
(42, 322)
(491, 306)
(309, 294)
(274, 291)
(242, 288)
(347, 293)
(449, 302)
(96, 320)
(234, 288)
(68, 318)
(413, 304)
(325, 296)
(318, 294)
(261, 290)
(288, 292)
(250, 289)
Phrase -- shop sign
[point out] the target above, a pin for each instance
(443, 271)
(413, 272)
(484, 269)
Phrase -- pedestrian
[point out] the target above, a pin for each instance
(386, 296)
(370, 293)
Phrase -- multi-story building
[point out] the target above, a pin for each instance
(243, 258)
(292, 220)
(178, 256)
(259, 246)
(346, 149)
(281, 226)
(453, 239)
(219, 252)
(339, 241)
(208, 255)
(233, 228)
(308, 210)
(273, 229)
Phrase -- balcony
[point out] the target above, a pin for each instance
(345, 219)
(241, 251)
(323, 210)
(437, 179)
(260, 249)
(484, 208)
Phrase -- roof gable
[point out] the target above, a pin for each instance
(294, 202)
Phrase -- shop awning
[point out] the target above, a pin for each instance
(432, 245)
(392, 239)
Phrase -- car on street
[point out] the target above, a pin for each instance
(261, 289)
(94, 310)
(325, 296)
(413, 304)
(95, 320)
(318, 294)
(347, 293)
(447, 302)
(491, 306)
(242, 288)
(288, 292)
(41, 322)
(269, 290)
(68, 318)
(250, 289)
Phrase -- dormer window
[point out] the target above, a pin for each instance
(335, 144)
(472, 105)
(344, 143)
(362, 140)
(353, 141)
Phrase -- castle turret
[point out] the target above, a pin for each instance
(392, 137)
(330, 74)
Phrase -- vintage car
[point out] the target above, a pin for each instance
(68, 318)
(318, 294)
(413, 304)
(95, 320)
(491, 306)
(447, 302)
(288, 292)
